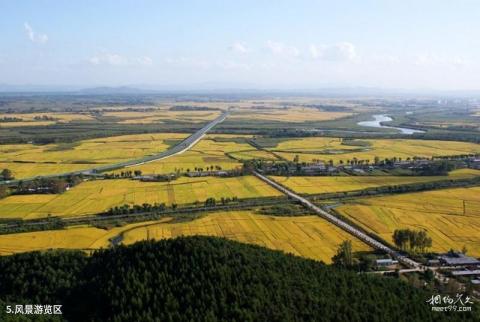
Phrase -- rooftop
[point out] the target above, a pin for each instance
(466, 272)
(458, 259)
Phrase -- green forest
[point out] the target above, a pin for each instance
(205, 279)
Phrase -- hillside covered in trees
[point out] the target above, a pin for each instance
(205, 279)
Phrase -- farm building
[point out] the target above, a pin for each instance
(387, 262)
(475, 272)
(458, 259)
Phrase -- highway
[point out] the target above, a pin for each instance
(340, 223)
(177, 149)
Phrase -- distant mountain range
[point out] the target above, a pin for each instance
(105, 90)
(215, 88)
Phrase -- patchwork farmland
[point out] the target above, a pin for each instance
(328, 184)
(214, 150)
(93, 197)
(28, 160)
(255, 136)
(339, 150)
(451, 216)
(307, 236)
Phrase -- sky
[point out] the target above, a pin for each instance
(265, 44)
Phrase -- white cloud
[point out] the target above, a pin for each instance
(145, 60)
(33, 36)
(108, 59)
(229, 65)
(280, 49)
(113, 59)
(385, 59)
(430, 59)
(342, 51)
(187, 62)
(239, 47)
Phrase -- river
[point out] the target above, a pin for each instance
(379, 118)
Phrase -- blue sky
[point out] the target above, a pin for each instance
(266, 44)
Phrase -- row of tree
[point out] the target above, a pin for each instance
(411, 240)
(435, 168)
(7, 119)
(43, 185)
(161, 207)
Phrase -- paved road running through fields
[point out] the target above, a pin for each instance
(342, 224)
(177, 149)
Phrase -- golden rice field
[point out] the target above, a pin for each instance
(253, 154)
(451, 216)
(97, 196)
(166, 105)
(31, 169)
(161, 115)
(207, 152)
(27, 160)
(322, 148)
(317, 185)
(291, 114)
(78, 237)
(307, 236)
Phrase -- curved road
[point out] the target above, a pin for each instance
(179, 148)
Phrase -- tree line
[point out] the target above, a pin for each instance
(46, 185)
(162, 207)
(7, 119)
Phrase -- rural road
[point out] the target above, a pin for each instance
(177, 149)
(340, 223)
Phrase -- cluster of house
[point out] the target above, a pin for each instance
(320, 167)
(460, 264)
(191, 174)
(156, 177)
(474, 163)
(216, 173)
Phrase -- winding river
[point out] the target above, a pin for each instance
(379, 118)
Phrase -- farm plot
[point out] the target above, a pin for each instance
(211, 151)
(337, 150)
(97, 196)
(291, 114)
(32, 169)
(307, 236)
(41, 119)
(160, 116)
(27, 160)
(253, 154)
(79, 237)
(318, 185)
(451, 216)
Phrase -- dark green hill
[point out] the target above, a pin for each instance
(206, 279)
